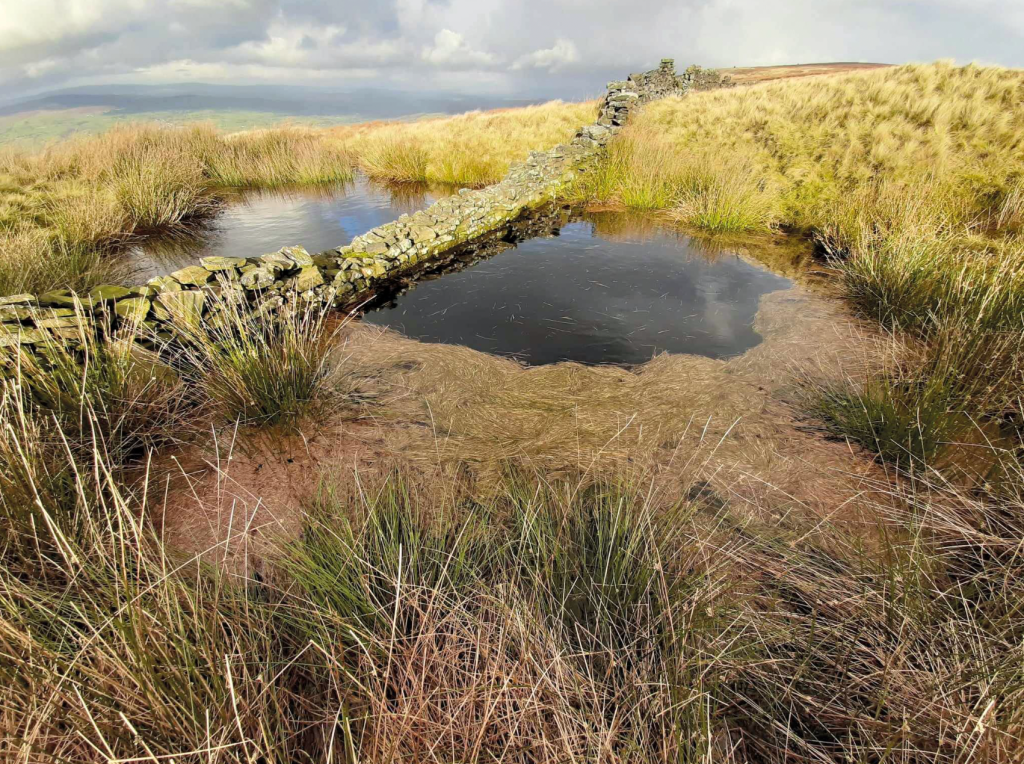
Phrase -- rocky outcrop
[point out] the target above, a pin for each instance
(371, 263)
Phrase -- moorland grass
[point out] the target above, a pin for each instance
(472, 149)
(64, 209)
(583, 620)
(588, 619)
(909, 179)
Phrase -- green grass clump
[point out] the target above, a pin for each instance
(914, 410)
(962, 307)
(919, 284)
(258, 366)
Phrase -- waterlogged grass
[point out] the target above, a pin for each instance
(63, 209)
(472, 149)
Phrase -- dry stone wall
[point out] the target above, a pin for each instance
(353, 274)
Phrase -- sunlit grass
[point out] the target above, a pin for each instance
(471, 149)
(63, 209)
(833, 153)
(260, 367)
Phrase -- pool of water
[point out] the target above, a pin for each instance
(255, 223)
(584, 296)
(600, 289)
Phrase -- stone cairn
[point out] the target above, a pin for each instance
(351, 275)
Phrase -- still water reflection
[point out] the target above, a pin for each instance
(603, 291)
(256, 223)
(581, 296)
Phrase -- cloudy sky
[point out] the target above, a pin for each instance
(498, 46)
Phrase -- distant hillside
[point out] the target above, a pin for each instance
(43, 118)
(747, 75)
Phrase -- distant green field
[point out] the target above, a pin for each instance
(37, 128)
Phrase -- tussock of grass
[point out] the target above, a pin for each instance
(256, 366)
(64, 209)
(472, 149)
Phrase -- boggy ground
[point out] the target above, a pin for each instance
(720, 431)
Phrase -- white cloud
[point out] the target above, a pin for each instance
(27, 24)
(556, 57)
(451, 50)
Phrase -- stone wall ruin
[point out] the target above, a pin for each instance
(351, 275)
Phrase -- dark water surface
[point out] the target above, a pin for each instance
(600, 291)
(582, 296)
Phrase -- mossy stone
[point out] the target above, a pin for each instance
(134, 309)
(194, 275)
(308, 278)
(297, 255)
(222, 263)
(164, 284)
(17, 299)
(14, 313)
(108, 292)
(183, 306)
(61, 322)
(62, 298)
(257, 278)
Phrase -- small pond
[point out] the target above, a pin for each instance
(255, 223)
(581, 295)
(586, 292)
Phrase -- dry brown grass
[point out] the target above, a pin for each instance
(63, 209)
(471, 149)
(749, 75)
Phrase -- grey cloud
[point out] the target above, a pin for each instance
(542, 46)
